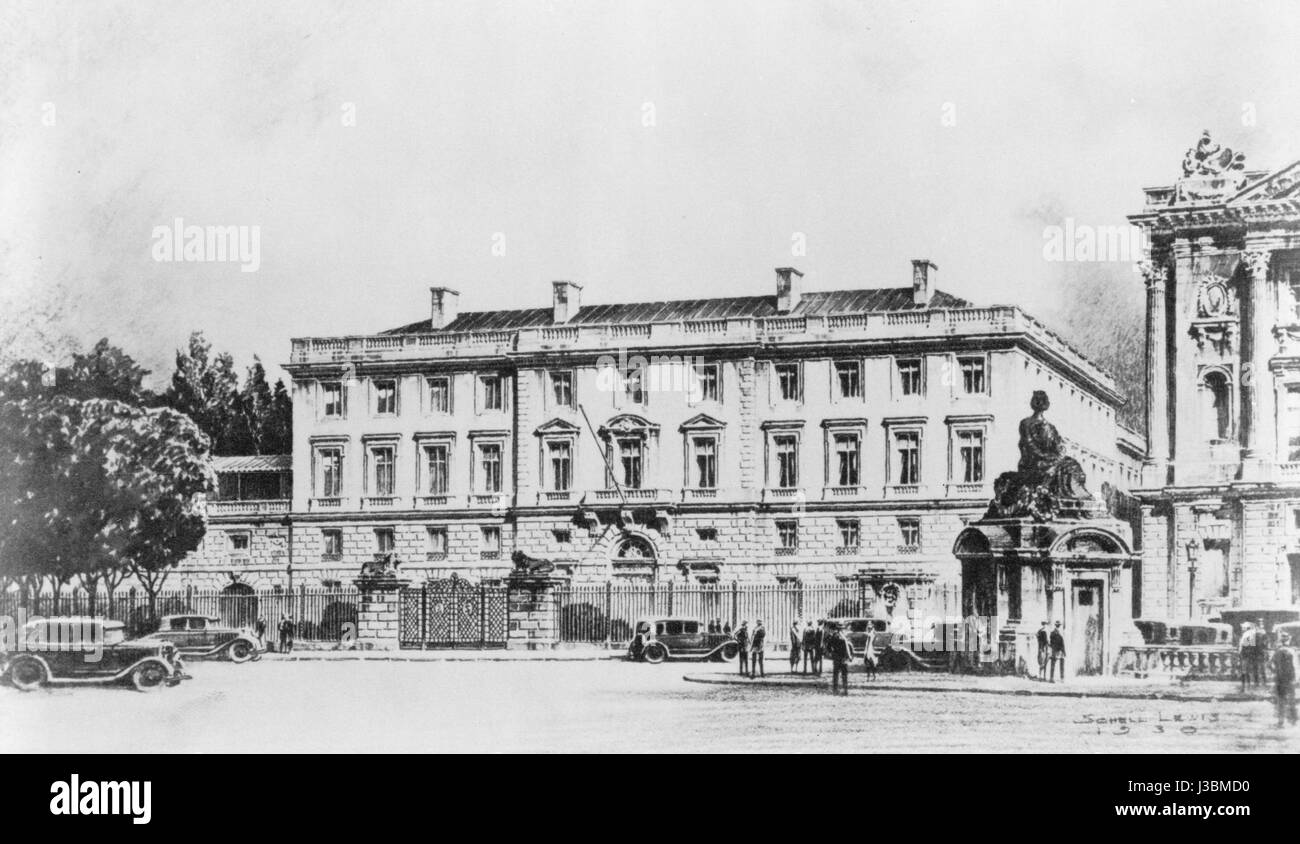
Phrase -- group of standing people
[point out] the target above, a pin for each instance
(1051, 652)
(752, 645)
(813, 643)
(1252, 650)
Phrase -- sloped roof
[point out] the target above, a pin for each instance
(817, 303)
(253, 463)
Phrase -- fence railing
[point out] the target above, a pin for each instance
(606, 613)
(318, 614)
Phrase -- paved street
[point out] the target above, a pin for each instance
(594, 706)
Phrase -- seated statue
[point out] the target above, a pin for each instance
(1045, 478)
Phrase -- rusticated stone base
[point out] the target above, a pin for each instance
(534, 612)
(379, 615)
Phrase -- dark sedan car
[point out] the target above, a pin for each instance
(89, 650)
(680, 638)
(204, 636)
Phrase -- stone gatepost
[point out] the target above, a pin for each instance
(533, 611)
(379, 617)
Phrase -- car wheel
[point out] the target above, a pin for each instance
(28, 674)
(240, 651)
(149, 677)
(655, 653)
(729, 652)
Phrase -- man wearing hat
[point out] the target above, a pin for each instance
(1057, 642)
(837, 647)
(1246, 652)
(1284, 670)
(819, 646)
(1041, 637)
(742, 639)
(756, 650)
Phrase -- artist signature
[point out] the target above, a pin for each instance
(1152, 723)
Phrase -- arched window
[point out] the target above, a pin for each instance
(1218, 404)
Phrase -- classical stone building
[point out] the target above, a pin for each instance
(1221, 483)
(795, 435)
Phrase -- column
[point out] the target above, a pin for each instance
(1259, 428)
(1155, 470)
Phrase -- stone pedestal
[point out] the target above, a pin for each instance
(379, 616)
(533, 611)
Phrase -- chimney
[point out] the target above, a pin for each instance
(446, 307)
(922, 286)
(789, 289)
(566, 298)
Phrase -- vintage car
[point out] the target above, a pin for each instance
(78, 650)
(204, 636)
(654, 640)
(860, 631)
(1291, 629)
(1159, 631)
(1271, 616)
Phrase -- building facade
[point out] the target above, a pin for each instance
(799, 435)
(1221, 483)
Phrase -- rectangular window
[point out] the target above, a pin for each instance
(970, 456)
(787, 536)
(1293, 423)
(331, 544)
(381, 459)
(490, 466)
(708, 377)
(384, 542)
(849, 529)
(437, 541)
(909, 377)
(706, 462)
(437, 465)
(491, 547)
(386, 397)
(493, 392)
(634, 385)
(972, 376)
(329, 472)
(787, 461)
(560, 454)
(562, 388)
(787, 381)
(238, 543)
(630, 455)
(440, 394)
(332, 399)
(907, 445)
(910, 533)
(847, 451)
(848, 375)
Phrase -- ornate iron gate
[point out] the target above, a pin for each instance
(453, 613)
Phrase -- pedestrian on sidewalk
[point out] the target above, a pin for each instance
(1058, 654)
(756, 650)
(742, 639)
(809, 646)
(1042, 650)
(1246, 654)
(1284, 672)
(838, 649)
(796, 645)
(286, 633)
(819, 646)
(1261, 652)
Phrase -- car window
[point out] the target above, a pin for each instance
(643, 627)
(114, 635)
(860, 626)
(176, 624)
(691, 627)
(674, 628)
(198, 623)
(659, 628)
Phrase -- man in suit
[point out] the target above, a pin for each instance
(838, 649)
(1284, 677)
(796, 645)
(756, 650)
(809, 645)
(819, 646)
(1042, 650)
(1057, 642)
(742, 639)
(1246, 654)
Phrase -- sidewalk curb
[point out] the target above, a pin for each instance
(386, 656)
(869, 685)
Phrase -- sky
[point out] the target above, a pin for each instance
(645, 150)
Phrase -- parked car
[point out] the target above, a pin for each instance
(78, 650)
(1272, 617)
(1290, 628)
(860, 631)
(204, 637)
(1154, 631)
(655, 640)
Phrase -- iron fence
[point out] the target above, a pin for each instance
(318, 614)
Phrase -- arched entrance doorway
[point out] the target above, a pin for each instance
(237, 605)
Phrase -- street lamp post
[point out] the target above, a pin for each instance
(1193, 554)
